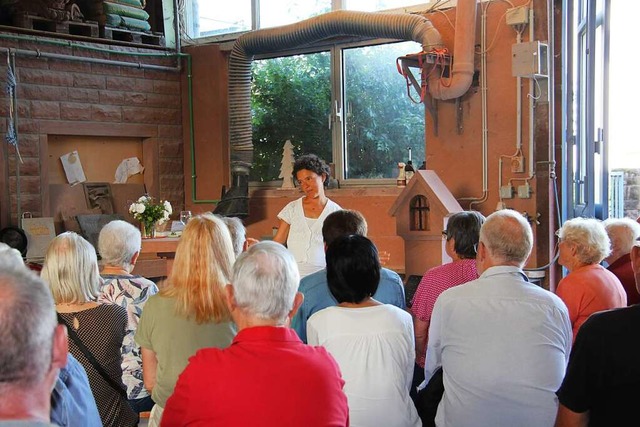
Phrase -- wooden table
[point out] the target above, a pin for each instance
(156, 257)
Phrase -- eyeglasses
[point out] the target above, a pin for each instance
(475, 248)
(445, 235)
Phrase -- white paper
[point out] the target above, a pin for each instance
(126, 168)
(73, 168)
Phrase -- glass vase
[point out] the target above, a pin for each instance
(148, 230)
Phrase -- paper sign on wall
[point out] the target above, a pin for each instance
(73, 168)
(126, 168)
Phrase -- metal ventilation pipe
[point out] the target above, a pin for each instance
(463, 49)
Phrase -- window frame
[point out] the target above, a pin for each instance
(338, 133)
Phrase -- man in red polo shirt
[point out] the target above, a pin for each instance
(267, 377)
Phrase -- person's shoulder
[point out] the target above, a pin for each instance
(313, 281)
(614, 319)
(320, 315)
(389, 276)
(333, 205)
(394, 311)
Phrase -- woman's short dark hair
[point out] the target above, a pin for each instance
(353, 268)
(312, 163)
(464, 228)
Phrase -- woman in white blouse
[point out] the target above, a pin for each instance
(301, 220)
(372, 342)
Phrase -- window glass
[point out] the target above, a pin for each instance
(381, 122)
(205, 18)
(281, 12)
(373, 5)
(290, 100)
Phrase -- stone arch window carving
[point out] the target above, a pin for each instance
(419, 213)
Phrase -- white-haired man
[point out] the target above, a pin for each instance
(33, 347)
(267, 377)
(502, 342)
(603, 376)
(623, 233)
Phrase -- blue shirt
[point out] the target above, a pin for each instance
(72, 402)
(317, 296)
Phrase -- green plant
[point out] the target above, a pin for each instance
(148, 212)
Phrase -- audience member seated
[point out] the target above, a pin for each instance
(623, 233)
(72, 404)
(589, 287)
(33, 347)
(503, 343)
(119, 245)
(372, 342)
(315, 288)
(95, 330)
(461, 236)
(238, 233)
(189, 312)
(267, 377)
(603, 376)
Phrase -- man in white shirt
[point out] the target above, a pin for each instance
(503, 343)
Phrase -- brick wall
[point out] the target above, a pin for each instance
(93, 96)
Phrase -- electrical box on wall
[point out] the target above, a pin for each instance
(529, 59)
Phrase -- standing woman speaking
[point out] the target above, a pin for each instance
(301, 220)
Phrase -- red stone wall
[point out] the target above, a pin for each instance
(90, 99)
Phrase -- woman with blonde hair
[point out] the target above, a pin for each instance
(190, 311)
(583, 243)
(95, 330)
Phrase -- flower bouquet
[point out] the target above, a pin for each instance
(150, 214)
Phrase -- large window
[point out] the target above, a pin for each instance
(214, 18)
(349, 105)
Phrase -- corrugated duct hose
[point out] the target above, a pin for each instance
(399, 26)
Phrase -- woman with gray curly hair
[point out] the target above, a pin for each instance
(119, 245)
(583, 243)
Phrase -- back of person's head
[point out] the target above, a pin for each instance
(464, 228)
(343, 223)
(10, 255)
(237, 231)
(623, 233)
(312, 163)
(508, 237)
(353, 268)
(265, 281)
(201, 269)
(71, 269)
(589, 237)
(28, 319)
(118, 242)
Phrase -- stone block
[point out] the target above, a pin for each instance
(111, 97)
(75, 111)
(106, 113)
(170, 131)
(45, 110)
(28, 184)
(151, 115)
(84, 95)
(91, 81)
(42, 93)
(29, 144)
(70, 66)
(44, 77)
(167, 87)
(28, 125)
(120, 83)
(30, 166)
